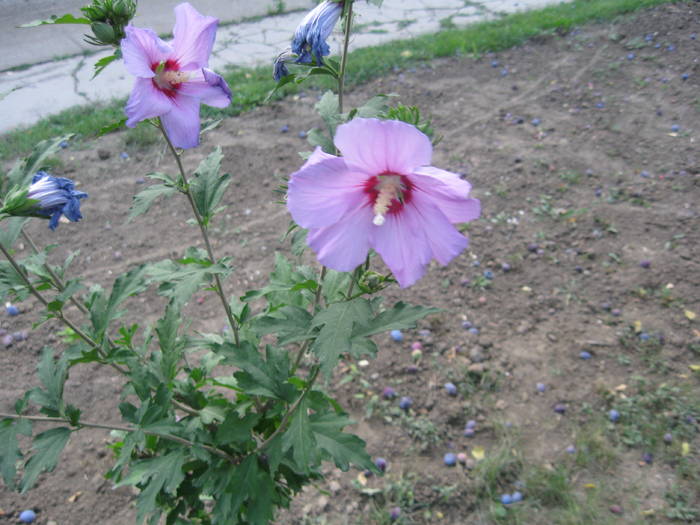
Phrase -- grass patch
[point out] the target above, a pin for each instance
(251, 85)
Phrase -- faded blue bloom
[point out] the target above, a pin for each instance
(56, 196)
(310, 37)
(279, 69)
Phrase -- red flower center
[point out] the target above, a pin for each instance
(388, 193)
(168, 77)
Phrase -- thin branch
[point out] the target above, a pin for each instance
(86, 424)
(344, 58)
(203, 229)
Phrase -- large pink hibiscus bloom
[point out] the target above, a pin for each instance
(173, 79)
(381, 194)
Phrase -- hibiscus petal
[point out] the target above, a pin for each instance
(322, 192)
(402, 243)
(146, 101)
(182, 122)
(208, 87)
(194, 36)
(383, 146)
(142, 49)
(448, 192)
(343, 246)
(444, 239)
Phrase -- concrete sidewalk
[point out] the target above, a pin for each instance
(29, 94)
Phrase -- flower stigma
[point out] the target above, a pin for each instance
(167, 77)
(389, 189)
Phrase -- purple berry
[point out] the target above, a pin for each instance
(450, 459)
(488, 274)
(474, 331)
(685, 76)
(22, 335)
(380, 463)
(470, 424)
(416, 345)
(585, 355)
(645, 264)
(571, 449)
(494, 63)
(541, 387)
(675, 128)
(388, 393)
(560, 408)
(27, 516)
(396, 335)
(630, 56)
(616, 312)
(11, 309)
(469, 432)
(506, 267)
(517, 496)
(668, 437)
(644, 336)
(506, 499)
(451, 389)
(466, 325)
(614, 415)
(535, 122)
(405, 403)
(302, 134)
(532, 248)
(600, 105)
(124, 155)
(7, 340)
(63, 144)
(504, 72)
(648, 458)
(606, 306)
(284, 129)
(394, 513)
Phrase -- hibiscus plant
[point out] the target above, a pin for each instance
(233, 438)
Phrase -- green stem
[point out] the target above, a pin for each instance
(290, 412)
(203, 229)
(86, 424)
(344, 58)
(317, 300)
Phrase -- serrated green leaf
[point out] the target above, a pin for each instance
(103, 62)
(10, 230)
(144, 199)
(53, 374)
(171, 348)
(47, 447)
(155, 475)
(207, 186)
(337, 322)
(22, 172)
(401, 316)
(236, 429)
(9, 452)
(251, 485)
(317, 138)
(109, 128)
(289, 323)
(328, 107)
(180, 281)
(300, 439)
(257, 376)
(335, 285)
(103, 311)
(54, 19)
(345, 449)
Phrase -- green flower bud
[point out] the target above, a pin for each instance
(103, 32)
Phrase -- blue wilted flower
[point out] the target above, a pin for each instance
(279, 69)
(55, 196)
(310, 37)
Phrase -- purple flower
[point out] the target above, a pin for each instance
(382, 194)
(310, 37)
(172, 79)
(55, 196)
(279, 69)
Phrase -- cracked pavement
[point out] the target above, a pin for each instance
(40, 90)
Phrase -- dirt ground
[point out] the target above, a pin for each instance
(582, 148)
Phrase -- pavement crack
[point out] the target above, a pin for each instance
(76, 80)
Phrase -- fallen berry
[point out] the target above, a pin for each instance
(7, 340)
(571, 449)
(11, 309)
(474, 331)
(397, 335)
(416, 355)
(616, 312)
(630, 56)
(516, 497)
(585, 355)
(541, 387)
(394, 513)
(466, 325)
(488, 274)
(124, 155)
(27, 516)
(494, 63)
(560, 408)
(675, 128)
(388, 393)
(535, 122)
(22, 335)
(644, 336)
(416, 345)
(462, 458)
(469, 432)
(668, 437)
(380, 463)
(450, 459)
(648, 458)
(506, 267)
(614, 415)
(645, 264)
(405, 403)
(302, 134)
(506, 499)
(451, 389)
(470, 424)
(615, 509)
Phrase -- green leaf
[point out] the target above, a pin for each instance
(318, 138)
(109, 128)
(144, 199)
(53, 374)
(102, 311)
(11, 229)
(155, 475)
(103, 62)
(208, 187)
(9, 452)
(236, 429)
(54, 19)
(328, 107)
(251, 485)
(338, 321)
(47, 447)
(257, 376)
(180, 280)
(22, 172)
(335, 285)
(401, 316)
(289, 323)
(171, 347)
(300, 439)
(345, 449)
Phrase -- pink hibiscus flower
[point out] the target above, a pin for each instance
(173, 79)
(381, 194)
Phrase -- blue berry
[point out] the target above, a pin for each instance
(600, 105)
(302, 134)
(535, 122)
(488, 274)
(541, 387)
(494, 63)
(571, 449)
(675, 128)
(670, 47)
(644, 336)
(506, 499)
(63, 144)
(466, 325)
(585, 355)
(516, 496)
(284, 129)
(470, 424)
(405, 403)
(11, 309)
(506, 267)
(504, 72)
(560, 408)
(649, 37)
(473, 330)
(380, 463)
(668, 437)
(450, 459)
(630, 56)
(469, 432)
(394, 513)
(614, 415)
(644, 174)
(451, 389)
(397, 336)
(648, 458)
(388, 393)
(27, 516)
(124, 155)
(685, 76)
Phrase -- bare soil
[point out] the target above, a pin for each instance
(573, 202)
